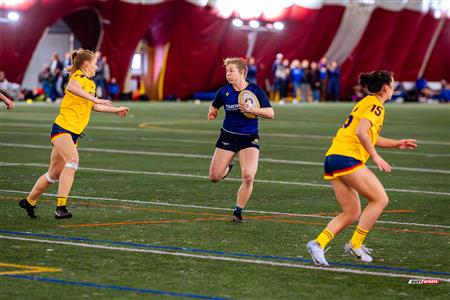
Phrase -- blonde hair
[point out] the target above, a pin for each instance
(240, 63)
(78, 58)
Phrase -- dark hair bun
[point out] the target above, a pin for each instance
(374, 81)
(74, 54)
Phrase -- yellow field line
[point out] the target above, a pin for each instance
(30, 269)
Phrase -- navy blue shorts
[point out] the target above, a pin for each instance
(339, 165)
(237, 142)
(57, 131)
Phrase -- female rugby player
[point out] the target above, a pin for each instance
(76, 107)
(239, 133)
(345, 168)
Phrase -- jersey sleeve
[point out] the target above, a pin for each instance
(218, 99)
(262, 97)
(372, 113)
(80, 78)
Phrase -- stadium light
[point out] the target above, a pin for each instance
(253, 24)
(13, 16)
(278, 25)
(238, 22)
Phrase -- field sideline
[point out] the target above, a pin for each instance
(148, 223)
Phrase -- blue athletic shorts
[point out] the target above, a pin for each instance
(57, 131)
(237, 142)
(339, 165)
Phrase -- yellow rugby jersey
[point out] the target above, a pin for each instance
(75, 111)
(346, 142)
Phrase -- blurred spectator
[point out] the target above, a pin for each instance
(444, 95)
(358, 92)
(323, 78)
(305, 85)
(334, 74)
(99, 78)
(113, 88)
(58, 85)
(252, 70)
(10, 89)
(278, 73)
(55, 64)
(315, 82)
(296, 76)
(44, 80)
(3, 82)
(422, 88)
(399, 94)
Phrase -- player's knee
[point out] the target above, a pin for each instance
(352, 215)
(384, 201)
(214, 176)
(51, 178)
(248, 178)
(72, 165)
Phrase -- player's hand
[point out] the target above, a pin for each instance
(246, 108)
(381, 163)
(103, 102)
(9, 103)
(122, 111)
(212, 114)
(407, 144)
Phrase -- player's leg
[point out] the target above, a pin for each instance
(51, 176)
(348, 199)
(66, 148)
(367, 184)
(221, 164)
(248, 159)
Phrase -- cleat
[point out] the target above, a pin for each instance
(361, 253)
(61, 212)
(230, 166)
(28, 207)
(317, 253)
(237, 218)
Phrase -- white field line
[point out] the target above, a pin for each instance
(188, 155)
(224, 258)
(268, 145)
(224, 209)
(5, 164)
(204, 131)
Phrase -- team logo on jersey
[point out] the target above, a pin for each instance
(227, 94)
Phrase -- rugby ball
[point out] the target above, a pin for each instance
(248, 99)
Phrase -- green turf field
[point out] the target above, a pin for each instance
(148, 224)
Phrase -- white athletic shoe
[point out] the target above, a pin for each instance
(361, 253)
(317, 253)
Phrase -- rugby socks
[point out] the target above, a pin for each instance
(324, 238)
(237, 211)
(31, 201)
(62, 201)
(358, 237)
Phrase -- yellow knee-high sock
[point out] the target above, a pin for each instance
(324, 238)
(358, 237)
(31, 201)
(62, 201)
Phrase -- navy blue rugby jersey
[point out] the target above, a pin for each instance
(235, 121)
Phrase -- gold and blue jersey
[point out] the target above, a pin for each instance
(75, 111)
(346, 141)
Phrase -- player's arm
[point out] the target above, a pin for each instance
(9, 103)
(120, 111)
(212, 112)
(401, 144)
(264, 112)
(75, 88)
(362, 131)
